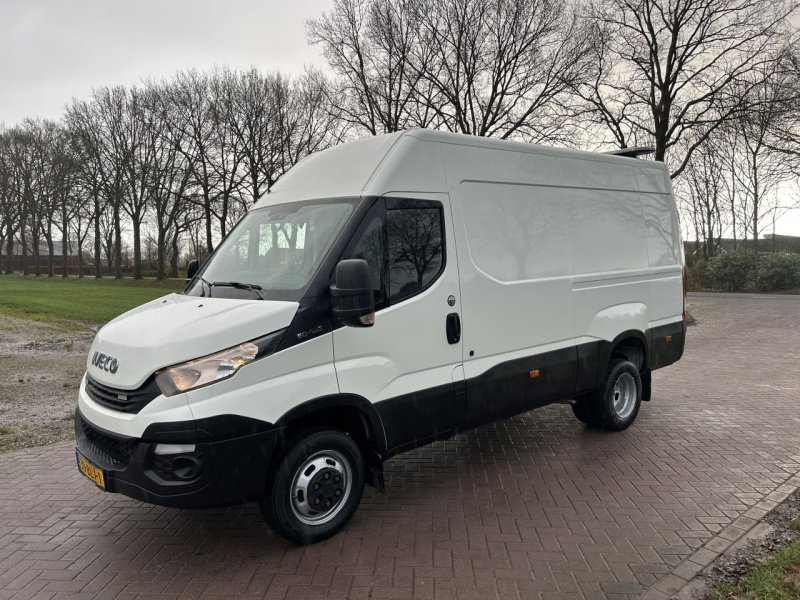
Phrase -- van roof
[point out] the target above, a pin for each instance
(402, 161)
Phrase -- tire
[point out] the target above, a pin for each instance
(322, 469)
(615, 404)
(647, 386)
(585, 410)
(620, 396)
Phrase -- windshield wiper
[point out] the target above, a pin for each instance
(251, 287)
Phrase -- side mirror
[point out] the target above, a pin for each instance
(192, 268)
(353, 300)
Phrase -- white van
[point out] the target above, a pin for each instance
(389, 292)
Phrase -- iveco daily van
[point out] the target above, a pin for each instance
(388, 292)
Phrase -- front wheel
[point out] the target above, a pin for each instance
(316, 487)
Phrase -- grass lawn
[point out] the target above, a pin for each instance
(777, 579)
(67, 302)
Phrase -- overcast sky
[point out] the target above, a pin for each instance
(53, 50)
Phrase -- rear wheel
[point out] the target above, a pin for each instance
(585, 410)
(316, 487)
(620, 395)
(615, 404)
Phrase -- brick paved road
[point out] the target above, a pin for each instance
(531, 507)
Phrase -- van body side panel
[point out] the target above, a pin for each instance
(518, 312)
(666, 257)
(557, 262)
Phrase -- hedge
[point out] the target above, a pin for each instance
(746, 271)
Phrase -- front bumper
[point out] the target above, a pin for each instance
(224, 467)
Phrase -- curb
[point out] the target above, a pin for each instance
(683, 582)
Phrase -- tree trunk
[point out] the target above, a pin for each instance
(161, 251)
(9, 249)
(80, 258)
(756, 200)
(137, 247)
(23, 221)
(37, 259)
(98, 261)
(209, 240)
(51, 254)
(117, 241)
(173, 260)
(64, 240)
(224, 218)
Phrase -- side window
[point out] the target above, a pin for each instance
(416, 249)
(370, 247)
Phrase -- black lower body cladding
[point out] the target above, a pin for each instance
(519, 385)
(666, 344)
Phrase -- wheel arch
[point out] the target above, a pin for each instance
(631, 345)
(351, 414)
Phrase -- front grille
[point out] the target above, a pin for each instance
(112, 450)
(129, 401)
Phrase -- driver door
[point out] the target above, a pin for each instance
(408, 364)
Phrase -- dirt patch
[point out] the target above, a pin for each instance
(40, 369)
(733, 565)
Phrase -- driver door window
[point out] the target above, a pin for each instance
(370, 246)
(403, 246)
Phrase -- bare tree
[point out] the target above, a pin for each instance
(9, 208)
(704, 197)
(785, 134)
(170, 178)
(252, 112)
(67, 201)
(189, 93)
(762, 168)
(212, 146)
(90, 177)
(20, 160)
(676, 64)
(309, 122)
(98, 126)
(374, 46)
(228, 150)
(504, 68)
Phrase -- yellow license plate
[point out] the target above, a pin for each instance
(92, 471)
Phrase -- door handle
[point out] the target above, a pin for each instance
(453, 328)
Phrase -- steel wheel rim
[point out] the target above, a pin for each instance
(624, 395)
(303, 493)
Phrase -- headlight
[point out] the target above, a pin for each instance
(214, 367)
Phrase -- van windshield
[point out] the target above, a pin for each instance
(273, 252)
